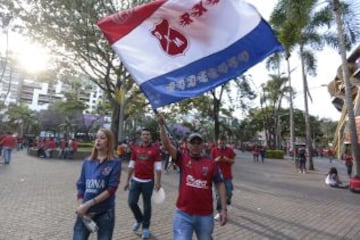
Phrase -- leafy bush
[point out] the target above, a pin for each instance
(275, 154)
(85, 145)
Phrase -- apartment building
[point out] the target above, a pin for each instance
(16, 87)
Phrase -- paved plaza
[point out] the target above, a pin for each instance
(271, 201)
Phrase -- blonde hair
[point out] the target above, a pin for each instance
(110, 144)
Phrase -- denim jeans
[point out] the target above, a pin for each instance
(145, 189)
(7, 154)
(61, 154)
(104, 221)
(184, 225)
(229, 192)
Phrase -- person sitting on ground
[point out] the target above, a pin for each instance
(332, 179)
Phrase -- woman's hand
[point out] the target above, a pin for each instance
(83, 208)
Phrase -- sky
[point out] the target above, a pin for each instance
(35, 58)
(328, 62)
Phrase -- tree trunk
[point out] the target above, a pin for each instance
(306, 115)
(115, 122)
(348, 92)
(292, 137)
(121, 122)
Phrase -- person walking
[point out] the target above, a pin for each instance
(255, 153)
(302, 160)
(96, 187)
(347, 158)
(144, 172)
(224, 157)
(194, 206)
(8, 143)
(262, 154)
(330, 155)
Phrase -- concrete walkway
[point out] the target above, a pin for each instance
(271, 201)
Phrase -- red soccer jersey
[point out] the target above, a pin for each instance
(225, 167)
(74, 145)
(51, 144)
(195, 190)
(8, 141)
(144, 158)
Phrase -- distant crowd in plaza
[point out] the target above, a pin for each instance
(50, 148)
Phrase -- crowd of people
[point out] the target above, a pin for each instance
(203, 172)
(49, 147)
(200, 173)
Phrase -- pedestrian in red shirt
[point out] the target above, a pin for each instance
(50, 147)
(194, 205)
(73, 148)
(330, 154)
(144, 172)
(8, 143)
(347, 158)
(224, 157)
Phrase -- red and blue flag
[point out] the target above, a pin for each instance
(177, 49)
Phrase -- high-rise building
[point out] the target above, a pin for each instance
(15, 87)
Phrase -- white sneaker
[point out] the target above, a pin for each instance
(217, 217)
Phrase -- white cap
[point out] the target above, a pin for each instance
(193, 136)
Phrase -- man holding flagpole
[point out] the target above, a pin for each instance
(175, 50)
(194, 205)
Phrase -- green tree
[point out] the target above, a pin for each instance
(217, 105)
(304, 19)
(22, 120)
(287, 38)
(68, 29)
(273, 92)
(340, 12)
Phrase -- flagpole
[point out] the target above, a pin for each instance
(173, 139)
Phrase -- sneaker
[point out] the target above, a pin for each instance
(217, 217)
(136, 226)
(145, 234)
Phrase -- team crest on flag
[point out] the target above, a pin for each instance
(171, 41)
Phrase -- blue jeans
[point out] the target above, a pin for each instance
(184, 225)
(61, 154)
(229, 192)
(7, 154)
(145, 189)
(104, 221)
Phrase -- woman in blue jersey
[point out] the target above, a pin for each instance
(99, 179)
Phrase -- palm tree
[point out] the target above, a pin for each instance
(5, 21)
(303, 20)
(286, 36)
(339, 11)
(273, 92)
